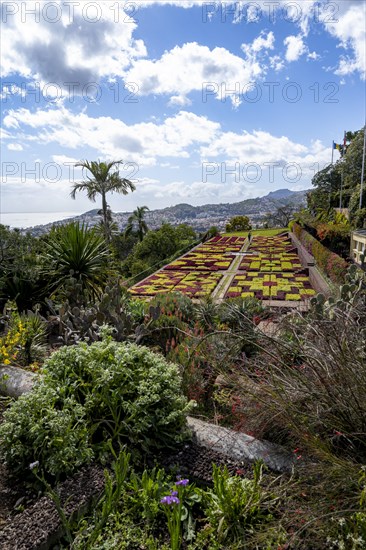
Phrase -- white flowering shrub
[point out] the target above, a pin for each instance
(90, 394)
(41, 427)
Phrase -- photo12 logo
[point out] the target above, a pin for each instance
(51, 92)
(70, 11)
(252, 172)
(253, 92)
(53, 172)
(270, 11)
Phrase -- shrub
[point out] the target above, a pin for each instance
(127, 391)
(75, 255)
(329, 263)
(107, 390)
(24, 340)
(42, 427)
(167, 321)
(320, 399)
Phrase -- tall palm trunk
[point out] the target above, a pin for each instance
(105, 218)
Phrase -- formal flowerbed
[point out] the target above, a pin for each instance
(270, 270)
(272, 261)
(265, 286)
(202, 261)
(214, 255)
(272, 244)
(192, 284)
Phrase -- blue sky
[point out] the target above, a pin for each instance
(205, 102)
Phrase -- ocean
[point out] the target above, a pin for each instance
(30, 219)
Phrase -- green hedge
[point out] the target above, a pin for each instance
(332, 265)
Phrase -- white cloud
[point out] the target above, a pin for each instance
(15, 147)
(64, 44)
(215, 72)
(276, 63)
(350, 29)
(256, 147)
(295, 47)
(183, 136)
(143, 142)
(263, 42)
(179, 100)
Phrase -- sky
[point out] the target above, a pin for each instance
(204, 102)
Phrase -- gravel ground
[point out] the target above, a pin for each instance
(38, 527)
(195, 462)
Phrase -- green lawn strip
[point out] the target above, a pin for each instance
(263, 232)
(224, 284)
(221, 289)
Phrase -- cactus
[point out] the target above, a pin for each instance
(83, 322)
(350, 293)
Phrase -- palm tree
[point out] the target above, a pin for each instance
(137, 218)
(102, 181)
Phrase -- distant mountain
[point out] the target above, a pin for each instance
(281, 194)
(199, 217)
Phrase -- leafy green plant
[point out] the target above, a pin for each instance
(173, 508)
(42, 427)
(88, 395)
(24, 341)
(21, 271)
(75, 255)
(127, 391)
(113, 490)
(234, 506)
(144, 494)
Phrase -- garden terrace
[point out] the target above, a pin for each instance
(192, 284)
(267, 268)
(265, 286)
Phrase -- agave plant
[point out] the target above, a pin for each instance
(75, 252)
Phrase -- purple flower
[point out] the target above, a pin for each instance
(183, 482)
(174, 493)
(169, 499)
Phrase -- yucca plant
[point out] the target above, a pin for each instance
(75, 253)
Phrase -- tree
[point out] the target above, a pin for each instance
(282, 216)
(211, 232)
(238, 223)
(103, 180)
(21, 277)
(341, 178)
(111, 227)
(158, 247)
(137, 219)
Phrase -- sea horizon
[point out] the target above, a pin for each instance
(24, 220)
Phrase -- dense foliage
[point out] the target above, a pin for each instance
(298, 380)
(158, 248)
(21, 271)
(238, 223)
(332, 265)
(338, 184)
(87, 395)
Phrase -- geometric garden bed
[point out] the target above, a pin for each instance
(271, 286)
(269, 269)
(194, 284)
